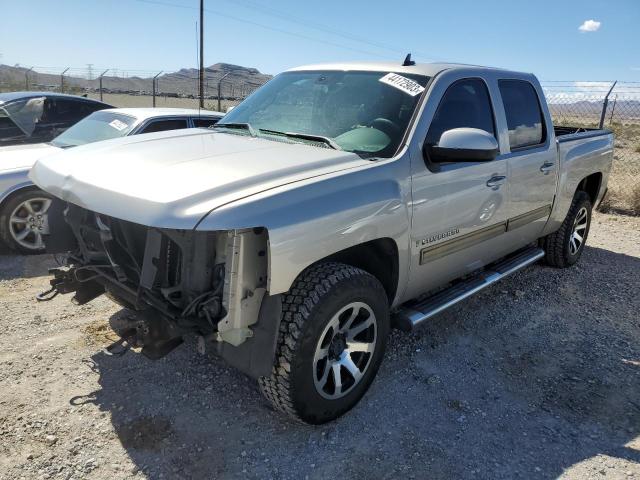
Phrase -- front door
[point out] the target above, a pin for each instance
(459, 209)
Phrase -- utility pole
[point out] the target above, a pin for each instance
(100, 80)
(201, 53)
(62, 79)
(26, 79)
(89, 71)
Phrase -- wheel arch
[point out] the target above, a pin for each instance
(7, 195)
(378, 257)
(591, 185)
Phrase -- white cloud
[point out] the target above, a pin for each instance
(589, 26)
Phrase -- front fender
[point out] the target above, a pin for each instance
(313, 219)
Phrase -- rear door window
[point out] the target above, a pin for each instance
(523, 113)
(67, 112)
(466, 103)
(162, 125)
(203, 122)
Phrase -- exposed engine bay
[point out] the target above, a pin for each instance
(179, 281)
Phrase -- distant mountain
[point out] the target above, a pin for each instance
(239, 82)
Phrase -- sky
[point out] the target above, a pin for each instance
(589, 40)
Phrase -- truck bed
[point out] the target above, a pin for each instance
(565, 133)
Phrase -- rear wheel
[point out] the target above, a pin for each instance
(24, 220)
(565, 246)
(332, 337)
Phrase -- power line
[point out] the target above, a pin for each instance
(321, 27)
(267, 27)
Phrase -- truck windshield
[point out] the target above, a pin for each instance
(94, 128)
(362, 112)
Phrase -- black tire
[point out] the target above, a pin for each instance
(6, 210)
(314, 301)
(557, 245)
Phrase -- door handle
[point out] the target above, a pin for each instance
(495, 181)
(547, 167)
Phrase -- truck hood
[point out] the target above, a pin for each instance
(24, 156)
(172, 179)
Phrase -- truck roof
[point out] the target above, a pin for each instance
(427, 69)
(142, 113)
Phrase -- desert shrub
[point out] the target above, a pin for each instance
(634, 199)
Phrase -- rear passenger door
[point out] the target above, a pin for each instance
(532, 159)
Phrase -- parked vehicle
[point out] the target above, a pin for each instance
(334, 202)
(36, 117)
(23, 207)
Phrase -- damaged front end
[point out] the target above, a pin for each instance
(179, 282)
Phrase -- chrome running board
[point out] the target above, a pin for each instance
(410, 316)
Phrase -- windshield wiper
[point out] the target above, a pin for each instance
(305, 136)
(245, 126)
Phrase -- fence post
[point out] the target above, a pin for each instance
(26, 79)
(604, 105)
(219, 83)
(613, 108)
(100, 80)
(62, 79)
(153, 88)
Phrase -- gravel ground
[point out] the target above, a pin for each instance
(536, 377)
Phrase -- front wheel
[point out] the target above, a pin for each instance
(564, 247)
(24, 219)
(333, 333)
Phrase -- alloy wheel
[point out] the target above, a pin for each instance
(578, 231)
(29, 221)
(344, 350)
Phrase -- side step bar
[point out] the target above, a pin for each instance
(409, 317)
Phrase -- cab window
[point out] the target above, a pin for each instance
(523, 113)
(466, 103)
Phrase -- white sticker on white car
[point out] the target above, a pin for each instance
(403, 83)
(118, 124)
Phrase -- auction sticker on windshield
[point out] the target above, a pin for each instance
(403, 83)
(118, 124)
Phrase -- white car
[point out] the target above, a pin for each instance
(23, 206)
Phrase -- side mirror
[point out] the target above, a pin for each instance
(464, 145)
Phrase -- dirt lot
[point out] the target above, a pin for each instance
(122, 100)
(537, 377)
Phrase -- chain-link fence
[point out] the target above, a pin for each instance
(586, 104)
(224, 85)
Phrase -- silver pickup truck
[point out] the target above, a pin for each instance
(334, 203)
